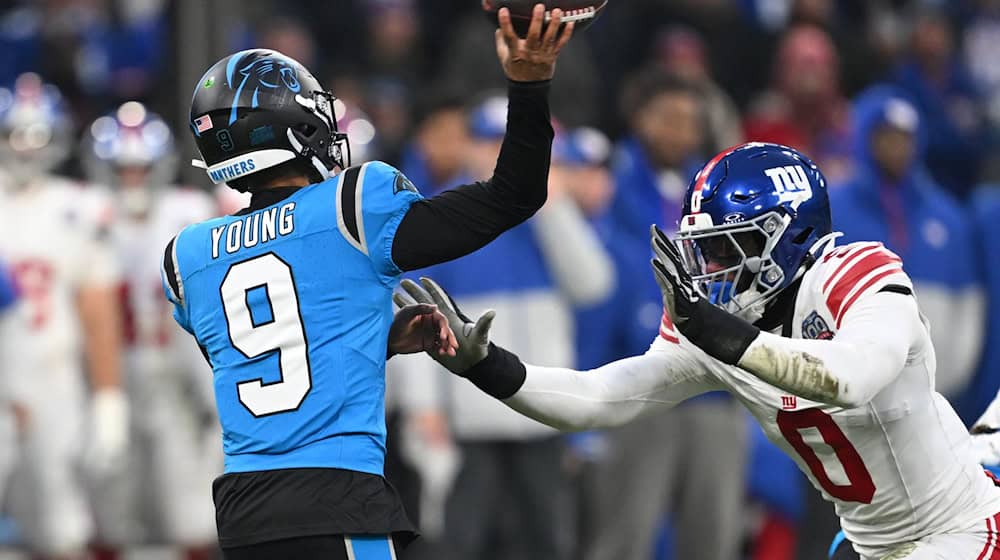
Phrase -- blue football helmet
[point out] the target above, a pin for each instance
(752, 218)
(36, 131)
(132, 150)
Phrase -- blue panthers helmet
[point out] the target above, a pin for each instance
(752, 217)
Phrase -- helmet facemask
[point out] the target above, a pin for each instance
(327, 154)
(733, 265)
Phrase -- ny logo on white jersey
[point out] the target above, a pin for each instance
(791, 183)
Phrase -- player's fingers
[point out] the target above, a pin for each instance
(534, 38)
(566, 35)
(415, 291)
(418, 310)
(437, 293)
(481, 332)
(448, 341)
(403, 300)
(552, 28)
(507, 29)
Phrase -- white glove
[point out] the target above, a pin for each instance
(986, 446)
(109, 430)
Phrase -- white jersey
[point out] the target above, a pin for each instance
(53, 236)
(138, 243)
(877, 441)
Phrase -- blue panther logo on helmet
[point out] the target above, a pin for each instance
(267, 73)
(783, 209)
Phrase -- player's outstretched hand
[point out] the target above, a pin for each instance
(421, 328)
(679, 296)
(720, 334)
(473, 338)
(534, 57)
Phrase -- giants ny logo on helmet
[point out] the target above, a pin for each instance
(791, 183)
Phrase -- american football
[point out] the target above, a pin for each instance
(581, 12)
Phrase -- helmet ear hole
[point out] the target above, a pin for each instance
(803, 236)
(305, 129)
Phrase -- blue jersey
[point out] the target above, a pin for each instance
(291, 304)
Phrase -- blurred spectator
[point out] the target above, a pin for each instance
(946, 96)
(466, 66)
(985, 207)
(661, 464)
(511, 471)
(436, 157)
(290, 38)
(97, 51)
(680, 51)
(804, 107)
(892, 199)
(980, 40)
(654, 164)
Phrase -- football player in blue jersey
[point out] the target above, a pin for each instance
(290, 298)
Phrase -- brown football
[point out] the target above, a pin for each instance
(581, 12)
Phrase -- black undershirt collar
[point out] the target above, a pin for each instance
(268, 197)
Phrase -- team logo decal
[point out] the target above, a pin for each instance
(789, 402)
(403, 184)
(815, 328)
(791, 183)
(261, 73)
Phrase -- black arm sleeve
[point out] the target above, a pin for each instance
(464, 219)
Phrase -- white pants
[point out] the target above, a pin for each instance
(176, 453)
(980, 544)
(47, 492)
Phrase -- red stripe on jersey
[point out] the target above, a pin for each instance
(667, 329)
(989, 540)
(669, 337)
(857, 294)
(996, 540)
(861, 268)
(852, 259)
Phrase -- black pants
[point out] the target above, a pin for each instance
(326, 547)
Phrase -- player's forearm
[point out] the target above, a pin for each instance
(849, 370)
(99, 313)
(571, 400)
(461, 220)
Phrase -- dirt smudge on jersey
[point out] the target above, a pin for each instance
(799, 373)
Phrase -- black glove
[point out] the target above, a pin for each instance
(720, 334)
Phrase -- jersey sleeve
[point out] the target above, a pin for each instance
(616, 393)
(858, 271)
(371, 201)
(880, 335)
(173, 287)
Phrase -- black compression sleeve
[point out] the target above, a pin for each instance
(462, 220)
(500, 374)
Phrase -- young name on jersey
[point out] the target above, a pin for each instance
(254, 229)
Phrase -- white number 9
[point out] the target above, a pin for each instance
(283, 333)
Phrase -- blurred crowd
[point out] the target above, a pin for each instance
(898, 101)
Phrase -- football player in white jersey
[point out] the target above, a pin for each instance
(168, 380)
(824, 345)
(53, 235)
